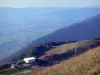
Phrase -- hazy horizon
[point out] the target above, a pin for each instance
(49, 3)
(47, 7)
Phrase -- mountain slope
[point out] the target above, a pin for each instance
(66, 51)
(84, 30)
(20, 26)
(57, 53)
(87, 63)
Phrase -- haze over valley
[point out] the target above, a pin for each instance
(21, 26)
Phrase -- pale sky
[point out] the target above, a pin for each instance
(46, 3)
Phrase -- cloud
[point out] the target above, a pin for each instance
(43, 3)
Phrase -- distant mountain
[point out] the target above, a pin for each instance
(20, 26)
(85, 30)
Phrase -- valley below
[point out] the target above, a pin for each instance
(49, 41)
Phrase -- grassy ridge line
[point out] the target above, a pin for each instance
(59, 49)
(87, 63)
(69, 47)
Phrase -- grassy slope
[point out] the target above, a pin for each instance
(59, 49)
(62, 49)
(87, 63)
(68, 47)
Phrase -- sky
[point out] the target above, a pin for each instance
(49, 3)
